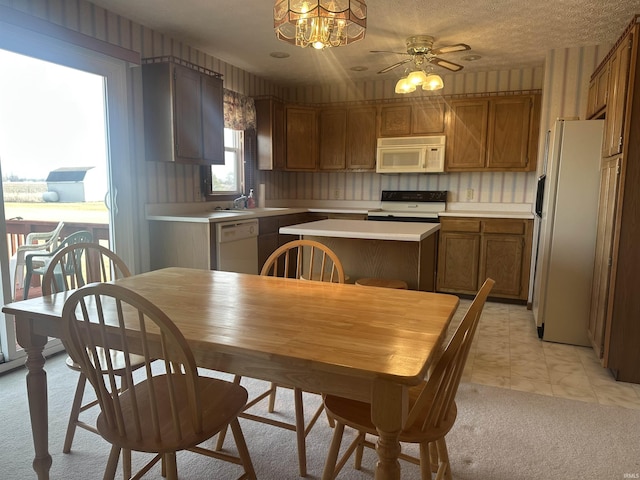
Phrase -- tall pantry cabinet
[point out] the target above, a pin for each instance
(614, 324)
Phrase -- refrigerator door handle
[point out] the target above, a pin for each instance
(540, 194)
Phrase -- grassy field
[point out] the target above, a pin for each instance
(91, 212)
(24, 199)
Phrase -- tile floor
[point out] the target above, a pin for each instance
(507, 353)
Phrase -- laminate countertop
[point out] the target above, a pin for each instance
(364, 230)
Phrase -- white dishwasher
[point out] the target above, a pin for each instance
(237, 246)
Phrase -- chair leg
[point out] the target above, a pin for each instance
(332, 457)
(360, 450)
(170, 465)
(272, 398)
(223, 433)
(112, 463)
(444, 467)
(243, 451)
(75, 413)
(300, 431)
(426, 462)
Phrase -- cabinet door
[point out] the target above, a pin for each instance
(458, 255)
(467, 135)
(508, 135)
(598, 89)
(395, 120)
(270, 132)
(332, 128)
(618, 81)
(301, 141)
(188, 114)
(501, 258)
(598, 317)
(212, 121)
(361, 138)
(427, 117)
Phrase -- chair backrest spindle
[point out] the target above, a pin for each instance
(323, 264)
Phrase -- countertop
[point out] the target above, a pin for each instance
(362, 229)
(191, 213)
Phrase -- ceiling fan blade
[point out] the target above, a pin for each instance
(391, 67)
(454, 67)
(458, 47)
(388, 51)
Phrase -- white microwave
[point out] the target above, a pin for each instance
(410, 154)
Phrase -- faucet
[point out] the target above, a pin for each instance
(240, 202)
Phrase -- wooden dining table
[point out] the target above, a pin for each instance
(366, 343)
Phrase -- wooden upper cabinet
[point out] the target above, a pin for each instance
(619, 65)
(467, 137)
(427, 117)
(361, 138)
(270, 129)
(510, 132)
(301, 138)
(332, 128)
(183, 114)
(420, 117)
(493, 134)
(598, 89)
(347, 138)
(395, 120)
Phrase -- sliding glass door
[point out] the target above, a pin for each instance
(108, 152)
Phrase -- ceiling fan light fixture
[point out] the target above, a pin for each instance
(417, 77)
(320, 23)
(433, 82)
(405, 86)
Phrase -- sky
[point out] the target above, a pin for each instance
(51, 116)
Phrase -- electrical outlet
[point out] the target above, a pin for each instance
(469, 193)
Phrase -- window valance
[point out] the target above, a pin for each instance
(239, 111)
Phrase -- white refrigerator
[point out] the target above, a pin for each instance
(566, 220)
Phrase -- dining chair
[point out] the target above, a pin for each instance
(34, 242)
(163, 410)
(288, 260)
(294, 259)
(432, 407)
(37, 263)
(84, 263)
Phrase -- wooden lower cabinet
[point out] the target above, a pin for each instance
(472, 249)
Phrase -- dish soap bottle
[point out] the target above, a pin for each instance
(251, 200)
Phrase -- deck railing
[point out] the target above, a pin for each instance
(17, 231)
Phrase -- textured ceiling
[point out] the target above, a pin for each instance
(505, 33)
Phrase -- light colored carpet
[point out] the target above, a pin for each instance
(499, 435)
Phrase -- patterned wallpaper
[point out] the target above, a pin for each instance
(564, 82)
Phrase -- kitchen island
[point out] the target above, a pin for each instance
(399, 250)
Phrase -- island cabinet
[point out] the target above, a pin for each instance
(394, 250)
(493, 133)
(472, 249)
(420, 117)
(347, 138)
(183, 113)
(270, 130)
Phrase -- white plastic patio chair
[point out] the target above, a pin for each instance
(35, 242)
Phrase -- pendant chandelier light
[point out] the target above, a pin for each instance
(320, 23)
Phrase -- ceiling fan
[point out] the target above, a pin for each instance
(420, 50)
